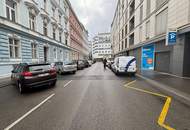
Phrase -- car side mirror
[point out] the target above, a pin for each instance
(13, 71)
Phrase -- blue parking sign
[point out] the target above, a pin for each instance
(172, 38)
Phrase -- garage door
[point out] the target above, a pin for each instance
(162, 61)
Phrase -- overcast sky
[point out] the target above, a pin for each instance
(96, 15)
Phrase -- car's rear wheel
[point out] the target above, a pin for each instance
(21, 88)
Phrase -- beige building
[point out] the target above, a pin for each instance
(139, 25)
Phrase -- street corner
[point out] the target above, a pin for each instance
(161, 119)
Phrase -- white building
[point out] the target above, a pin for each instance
(101, 46)
(143, 24)
(33, 31)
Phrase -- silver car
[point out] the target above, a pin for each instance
(65, 67)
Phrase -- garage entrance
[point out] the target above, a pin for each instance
(162, 61)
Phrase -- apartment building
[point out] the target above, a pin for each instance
(33, 31)
(78, 36)
(141, 28)
(101, 46)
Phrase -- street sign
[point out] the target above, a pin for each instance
(171, 38)
(148, 57)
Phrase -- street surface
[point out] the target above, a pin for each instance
(92, 99)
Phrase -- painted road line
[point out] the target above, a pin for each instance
(145, 91)
(163, 114)
(132, 82)
(165, 109)
(67, 84)
(29, 112)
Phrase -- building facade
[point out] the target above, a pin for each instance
(101, 46)
(78, 36)
(33, 31)
(141, 27)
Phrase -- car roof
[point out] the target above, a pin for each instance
(33, 64)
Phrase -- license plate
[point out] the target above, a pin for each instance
(42, 75)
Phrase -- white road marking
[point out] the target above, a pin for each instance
(28, 113)
(67, 83)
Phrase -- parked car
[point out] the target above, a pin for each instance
(80, 64)
(90, 62)
(26, 76)
(124, 64)
(86, 63)
(65, 67)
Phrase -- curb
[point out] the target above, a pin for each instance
(181, 96)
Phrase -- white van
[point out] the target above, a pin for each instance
(124, 64)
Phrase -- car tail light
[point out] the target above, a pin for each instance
(26, 74)
(52, 71)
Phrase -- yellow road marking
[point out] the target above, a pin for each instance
(165, 109)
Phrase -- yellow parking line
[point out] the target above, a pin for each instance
(165, 109)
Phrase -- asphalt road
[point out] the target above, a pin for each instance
(92, 99)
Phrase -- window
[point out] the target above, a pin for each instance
(45, 30)
(141, 13)
(14, 48)
(32, 21)
(45, 4)
(131, 39)
(54, 34)
(159, 3)
(132, 8)
(34, 50)
(53, 12)
(126, 43)
(60, 36)
(126, 29)
(161, 22)
(122, 34)
(66, 42)
(126, 15)
(140, 34)
(122, 45)
(59, 18)
(11, 10)
(132, 24)
(55, 53)
(148, 30)
(61, 54)
(148, 7)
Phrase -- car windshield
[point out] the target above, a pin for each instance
(69, 63)
(59, 63)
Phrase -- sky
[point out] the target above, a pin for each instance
(96, 15)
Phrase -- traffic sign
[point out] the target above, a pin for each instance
(171, 38)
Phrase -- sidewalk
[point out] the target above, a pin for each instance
(172, 85)
(5, 82)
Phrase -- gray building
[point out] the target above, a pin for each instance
(141, 28)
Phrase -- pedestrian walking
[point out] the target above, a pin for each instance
(105, 63)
